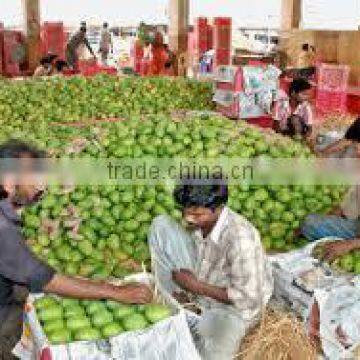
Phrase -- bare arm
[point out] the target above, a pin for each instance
(87, 289)
(335, 147)
(188, 281)
(214, 292)
(86, 42)
(334, 249)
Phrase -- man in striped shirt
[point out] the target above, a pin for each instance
(216, 260)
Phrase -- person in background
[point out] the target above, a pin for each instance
(170, 59)
(106, 44)
(73, 45)
(19, 266)
(306, 62)
(293, 113)
(343, 222)
(214, 259)
(46, 66)
(60, 67)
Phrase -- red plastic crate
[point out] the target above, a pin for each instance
(210, 37)
(333, 77)
(262, 121)
(136, 54)
(232, 111)
(12, 49)
(353, 103)
(1, 51)
(222, 33)
(53, 38)
(222, 57)
(329, 101)
(201, 35)
(222, 21)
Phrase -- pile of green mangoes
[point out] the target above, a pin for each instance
(78, 98)
(66, 320)
(110, 238)
(348, 263)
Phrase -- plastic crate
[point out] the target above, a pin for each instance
(265, 122)
(13, 53)
(222, 33)
(353, 103)
(333, 77)
(330, 101)
(222, 57)
(210, 37)
(53, 38)
(201, 35)
(1, 51)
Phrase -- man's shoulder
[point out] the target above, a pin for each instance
(238, 223)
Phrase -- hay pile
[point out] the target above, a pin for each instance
(280, 336)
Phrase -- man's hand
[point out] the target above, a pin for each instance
(133, 294)
(337, 211)
(187, 281)
(182, 297)
(333, 250)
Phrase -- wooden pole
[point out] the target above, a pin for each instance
(178, 31)
(291, 14)
(32, 30)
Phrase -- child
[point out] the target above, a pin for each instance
(293, 114)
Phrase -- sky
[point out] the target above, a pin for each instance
(324, 14)
(132, 11)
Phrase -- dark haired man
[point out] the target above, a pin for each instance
(21, 186)
(73, 45)
(46, 66)
(217, 260)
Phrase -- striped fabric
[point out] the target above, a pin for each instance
(317, 227)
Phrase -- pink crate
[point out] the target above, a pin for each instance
(12, 48)
(222, 33)
(333, 77)
(210, 37)
(236, 85)
(265, 121)
(232, 111)
(201, 38)
(330, 101)
(53, 38)
(222, 57)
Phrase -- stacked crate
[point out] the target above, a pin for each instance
(331, 94)
(201, 37)
(13, 53)
(137, 54)
(53, 38)
(228, 85)
(1, 46)
(222, 41)
(210, 37)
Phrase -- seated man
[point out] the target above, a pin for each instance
(293, 114)
(217, 261)
(344, 222)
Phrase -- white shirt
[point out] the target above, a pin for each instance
(232, 257)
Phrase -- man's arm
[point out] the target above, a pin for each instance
(87, 44)
(19, 265)
(335, 147)
(86, 289)
(188, 281)
(335, 249)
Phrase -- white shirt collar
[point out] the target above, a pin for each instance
(215, 233)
